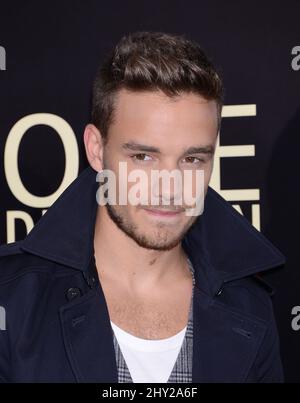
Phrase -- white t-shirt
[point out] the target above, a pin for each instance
(149, 360)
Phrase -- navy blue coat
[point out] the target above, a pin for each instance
(57, 321)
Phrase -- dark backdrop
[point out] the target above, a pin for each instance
(48, 57)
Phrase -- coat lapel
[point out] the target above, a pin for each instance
(225, 342)
(88, 338)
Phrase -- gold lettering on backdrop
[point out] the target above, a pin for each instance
(252, 195)
(68, 138)
(11, 217)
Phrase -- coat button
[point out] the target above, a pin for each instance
(72, 293)
(220, 291)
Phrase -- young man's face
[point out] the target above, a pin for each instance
(154, 132)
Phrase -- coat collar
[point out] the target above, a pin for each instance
(222, 244)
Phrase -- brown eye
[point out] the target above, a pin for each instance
(140, 157)
(192, 160)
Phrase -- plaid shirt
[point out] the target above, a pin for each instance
(182, 370)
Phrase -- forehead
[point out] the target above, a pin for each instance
(154, 116)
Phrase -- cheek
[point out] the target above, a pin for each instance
(196, 187)
(207, 173)
(127, 213)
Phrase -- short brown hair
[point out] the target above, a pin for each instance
(153, 61)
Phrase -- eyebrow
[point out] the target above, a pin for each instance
(133, 146)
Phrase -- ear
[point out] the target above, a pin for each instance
(93, 143)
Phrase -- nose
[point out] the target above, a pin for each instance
(166, 187)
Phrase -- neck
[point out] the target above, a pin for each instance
(118, 257)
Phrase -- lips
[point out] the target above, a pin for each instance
(164, 212)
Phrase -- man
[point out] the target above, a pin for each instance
(142, 292)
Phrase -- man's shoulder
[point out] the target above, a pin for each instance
(16, 263)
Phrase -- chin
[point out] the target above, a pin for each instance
(166, 243)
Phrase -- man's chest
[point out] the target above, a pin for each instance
(147, 318)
